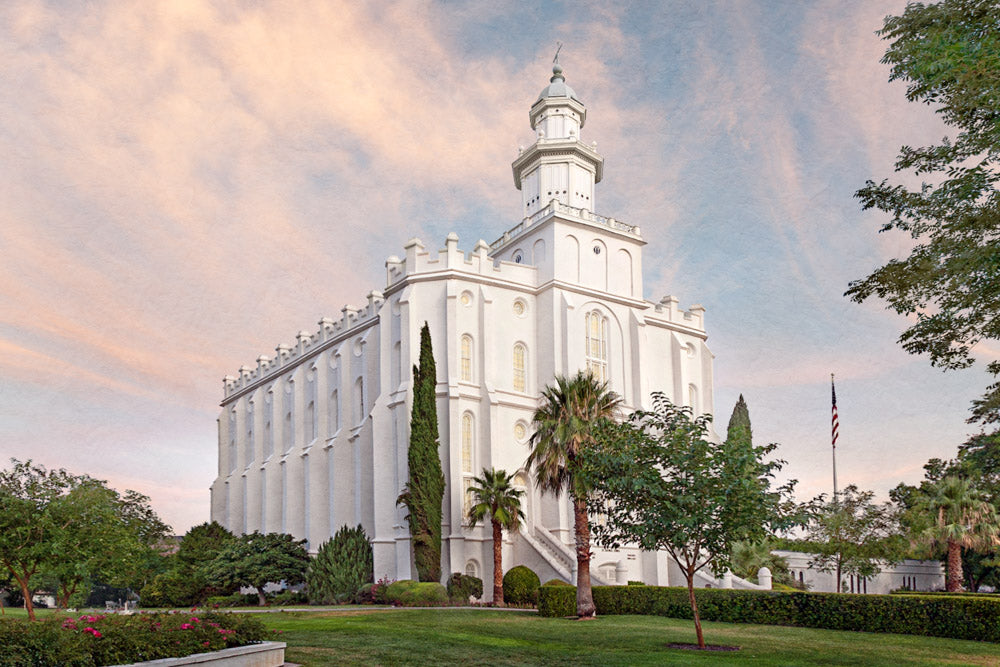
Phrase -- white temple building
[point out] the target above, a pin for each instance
(316, 437)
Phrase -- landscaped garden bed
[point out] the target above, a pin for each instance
(95, 640)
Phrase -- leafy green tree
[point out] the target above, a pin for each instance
(343, 564)
(948, 53)
(258, 559)
(423, 494)
(663, 483)
(851, 535)
(494, 498)
(565, 423)
(959, 516)
(71, 529)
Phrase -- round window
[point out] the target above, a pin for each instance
(597, 250)
(519, 308)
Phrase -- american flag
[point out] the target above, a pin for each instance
(835, 423)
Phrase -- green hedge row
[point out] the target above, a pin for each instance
(937, 616)
(961, 594)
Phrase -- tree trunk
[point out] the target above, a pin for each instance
(694, 608)
(840, 588)
(954, 583)
(28, 604)
(584, 596)
(65, 594)
(261, 601)
(497, 564)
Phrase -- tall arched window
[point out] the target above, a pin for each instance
(232, 439)
(250, 437)
(269, 422)
(311, 426)
(359, 400)
(520, 363)
(467, 443)
(693, 398)
(288, 432)
(466, 358)
(597, 345)
(467, 449)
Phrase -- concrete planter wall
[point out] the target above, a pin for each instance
(265, 654)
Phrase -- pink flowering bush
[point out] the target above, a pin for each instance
(95, 640)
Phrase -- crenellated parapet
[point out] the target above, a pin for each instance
(287, 355)
(668, 311)
(417, 261)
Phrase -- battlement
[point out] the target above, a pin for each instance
(555, 207)
(287, 355)
(419, 261)
(668, 311)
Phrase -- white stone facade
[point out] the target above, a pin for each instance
(317, 437)
(916, 575)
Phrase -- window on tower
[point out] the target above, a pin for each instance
(520, 359)
(597, 344)
(467, 358)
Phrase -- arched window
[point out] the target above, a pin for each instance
(597, 345)
(232, 439)
(693, 398)
(467, 443)
(472, 569)
(269, 423)
(288, 432)
(333, 407)
(310, 427)
(359, 400)
(466, 358)
(520, 363)
(250, 438)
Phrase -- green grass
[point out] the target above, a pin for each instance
(473, 637)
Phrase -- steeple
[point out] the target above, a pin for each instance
(558, 165)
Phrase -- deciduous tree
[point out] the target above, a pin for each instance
(948, 54)
(662, 483)
(258, 559)
(851, 535)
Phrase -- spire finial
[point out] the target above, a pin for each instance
(556, 67)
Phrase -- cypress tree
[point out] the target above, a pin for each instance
(739, 424)
(424, 491)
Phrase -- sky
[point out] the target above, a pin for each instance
(185, 185)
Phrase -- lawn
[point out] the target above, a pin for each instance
(486, 637)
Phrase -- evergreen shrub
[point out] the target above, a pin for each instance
(520, 586)
(424, 593)
(928, 615)
(395, 590)
(557, 599)
(462, 586)
(556, 582)
(342, 564)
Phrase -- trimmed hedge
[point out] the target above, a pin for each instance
(935, 616)
(424, 593)
(461, 587)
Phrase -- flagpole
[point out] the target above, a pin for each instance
(834, 433)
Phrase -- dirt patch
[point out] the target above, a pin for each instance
(708, 647)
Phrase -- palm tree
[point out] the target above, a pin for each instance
(493, 497)
(961, 518)
(565, 424)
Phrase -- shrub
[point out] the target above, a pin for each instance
(234, 600)
(118, 639)
(520, 586)
(175, 588)
(556, 582)
(936, 616)
(289, 597)
(636, 583)
(343, 563)
(395, 590)
(557, 600)
(380, 591)
(424, 593)
(461, 587)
